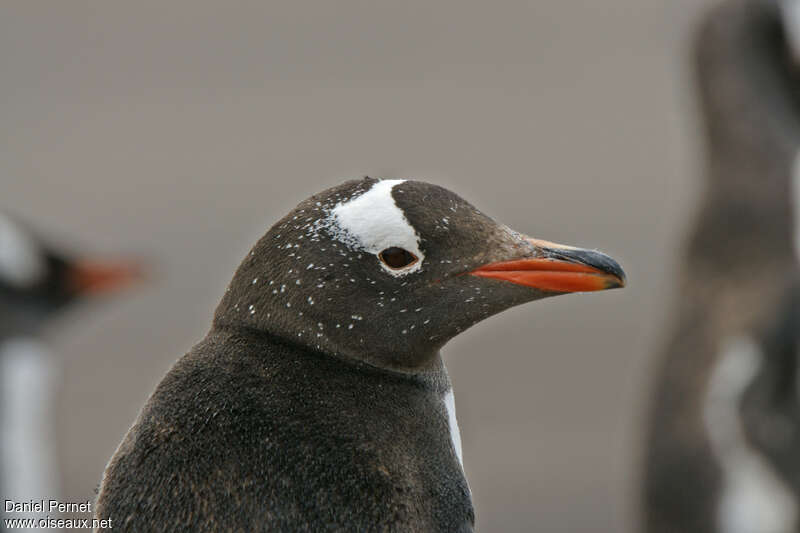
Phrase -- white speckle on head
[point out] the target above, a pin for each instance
(21, 261)
(373, 222)
(754, 499)
(455, 435)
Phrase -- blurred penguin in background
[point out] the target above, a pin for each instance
(37, 284)
(723, 448)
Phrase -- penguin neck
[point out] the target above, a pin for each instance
(432, 371)
(335, 331)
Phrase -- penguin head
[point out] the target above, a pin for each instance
(36, 280)
(387, 271)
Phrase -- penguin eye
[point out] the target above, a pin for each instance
(395, 257)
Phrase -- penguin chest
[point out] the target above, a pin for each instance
(27, 459)
(423, 459)
(753, 498)
(312, 447)
(393, 455)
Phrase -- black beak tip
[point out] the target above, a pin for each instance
(597, 260)
(610, 266)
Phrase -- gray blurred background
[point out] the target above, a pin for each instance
(180, 131)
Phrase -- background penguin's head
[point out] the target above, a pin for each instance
(36, 281)
(387, 271)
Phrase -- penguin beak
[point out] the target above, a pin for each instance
(101, 277)
(558, 268)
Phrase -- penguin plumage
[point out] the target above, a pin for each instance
(704, 470)
(319, 400)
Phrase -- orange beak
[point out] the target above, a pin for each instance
(100, 277)
(558, 268)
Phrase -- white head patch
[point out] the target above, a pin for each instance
(372, 222)
(21, 263)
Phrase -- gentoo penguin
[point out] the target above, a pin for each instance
(722, 453)
(36, 284)
(319, 400)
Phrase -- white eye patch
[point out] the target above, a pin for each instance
(21, 263)
(372, 222)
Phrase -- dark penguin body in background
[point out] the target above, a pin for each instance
(319, 400)
(37, 283)
(722, 452)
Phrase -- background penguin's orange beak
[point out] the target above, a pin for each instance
(99, 277)
(558, 268)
